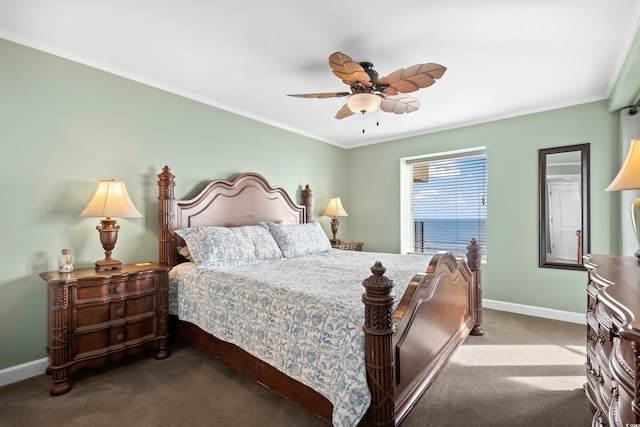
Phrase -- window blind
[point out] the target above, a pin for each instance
(448, 203)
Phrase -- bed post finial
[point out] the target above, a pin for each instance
(307, 197)
(474, 260)
(378, 328)
(167, 254)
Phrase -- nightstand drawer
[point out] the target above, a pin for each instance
(91, 343)
(139, 285)
(90, 315)
(94, 341)
(140, 330)
(141, 305)
(92, 291)
(96, 314)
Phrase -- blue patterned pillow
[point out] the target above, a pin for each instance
(297, 240)
(214, 247)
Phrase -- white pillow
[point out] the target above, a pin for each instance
(297, 240)
(214, 247)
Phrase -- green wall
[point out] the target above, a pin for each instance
(65, 126)
(511, 273)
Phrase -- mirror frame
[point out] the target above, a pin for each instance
(585, 192)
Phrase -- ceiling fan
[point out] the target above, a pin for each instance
(369, 92)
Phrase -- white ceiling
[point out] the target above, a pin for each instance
(503, 58)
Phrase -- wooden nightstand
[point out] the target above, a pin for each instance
(97, 317)
(349, 246)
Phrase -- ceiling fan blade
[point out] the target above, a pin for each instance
(321, 95)
(344, 112)
(348, 70)
(400, 104)
(406, 80)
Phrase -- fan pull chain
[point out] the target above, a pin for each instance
(377, 118)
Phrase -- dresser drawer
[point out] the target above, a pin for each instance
(622, 409)
(598, 389)
(603, 315)
(622, 363)
(603, 346)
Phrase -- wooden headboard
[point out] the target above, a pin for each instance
(247, 200)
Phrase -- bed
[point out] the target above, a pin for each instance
(393, 336)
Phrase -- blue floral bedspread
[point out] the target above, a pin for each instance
(302, 316)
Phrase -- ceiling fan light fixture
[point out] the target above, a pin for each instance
(363, 102)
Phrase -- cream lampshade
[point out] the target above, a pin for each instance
(363, 102)
(110, 200)
(629, 179)
(335, 209)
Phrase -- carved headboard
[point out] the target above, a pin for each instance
(247, 200)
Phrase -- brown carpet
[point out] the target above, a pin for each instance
(525, 371)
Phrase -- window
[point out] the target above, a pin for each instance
(444, 202)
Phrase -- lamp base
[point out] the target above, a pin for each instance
(334, 229)
(108, 264)
(108, 230)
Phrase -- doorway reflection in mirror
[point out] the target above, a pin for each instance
(564, 206)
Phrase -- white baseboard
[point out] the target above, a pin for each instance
(31, 369)
(13, 374)
(530, 310)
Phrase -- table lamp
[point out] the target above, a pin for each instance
(110, 200)
(335, 209)
(629, 179)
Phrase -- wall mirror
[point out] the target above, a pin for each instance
(564, 199)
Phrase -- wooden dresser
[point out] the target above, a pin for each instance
(613, 340)
(97, 317)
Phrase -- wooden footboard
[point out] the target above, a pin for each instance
(406, 349)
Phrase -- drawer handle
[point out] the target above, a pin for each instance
(120, 311)
(119, 289)
(120, 336)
